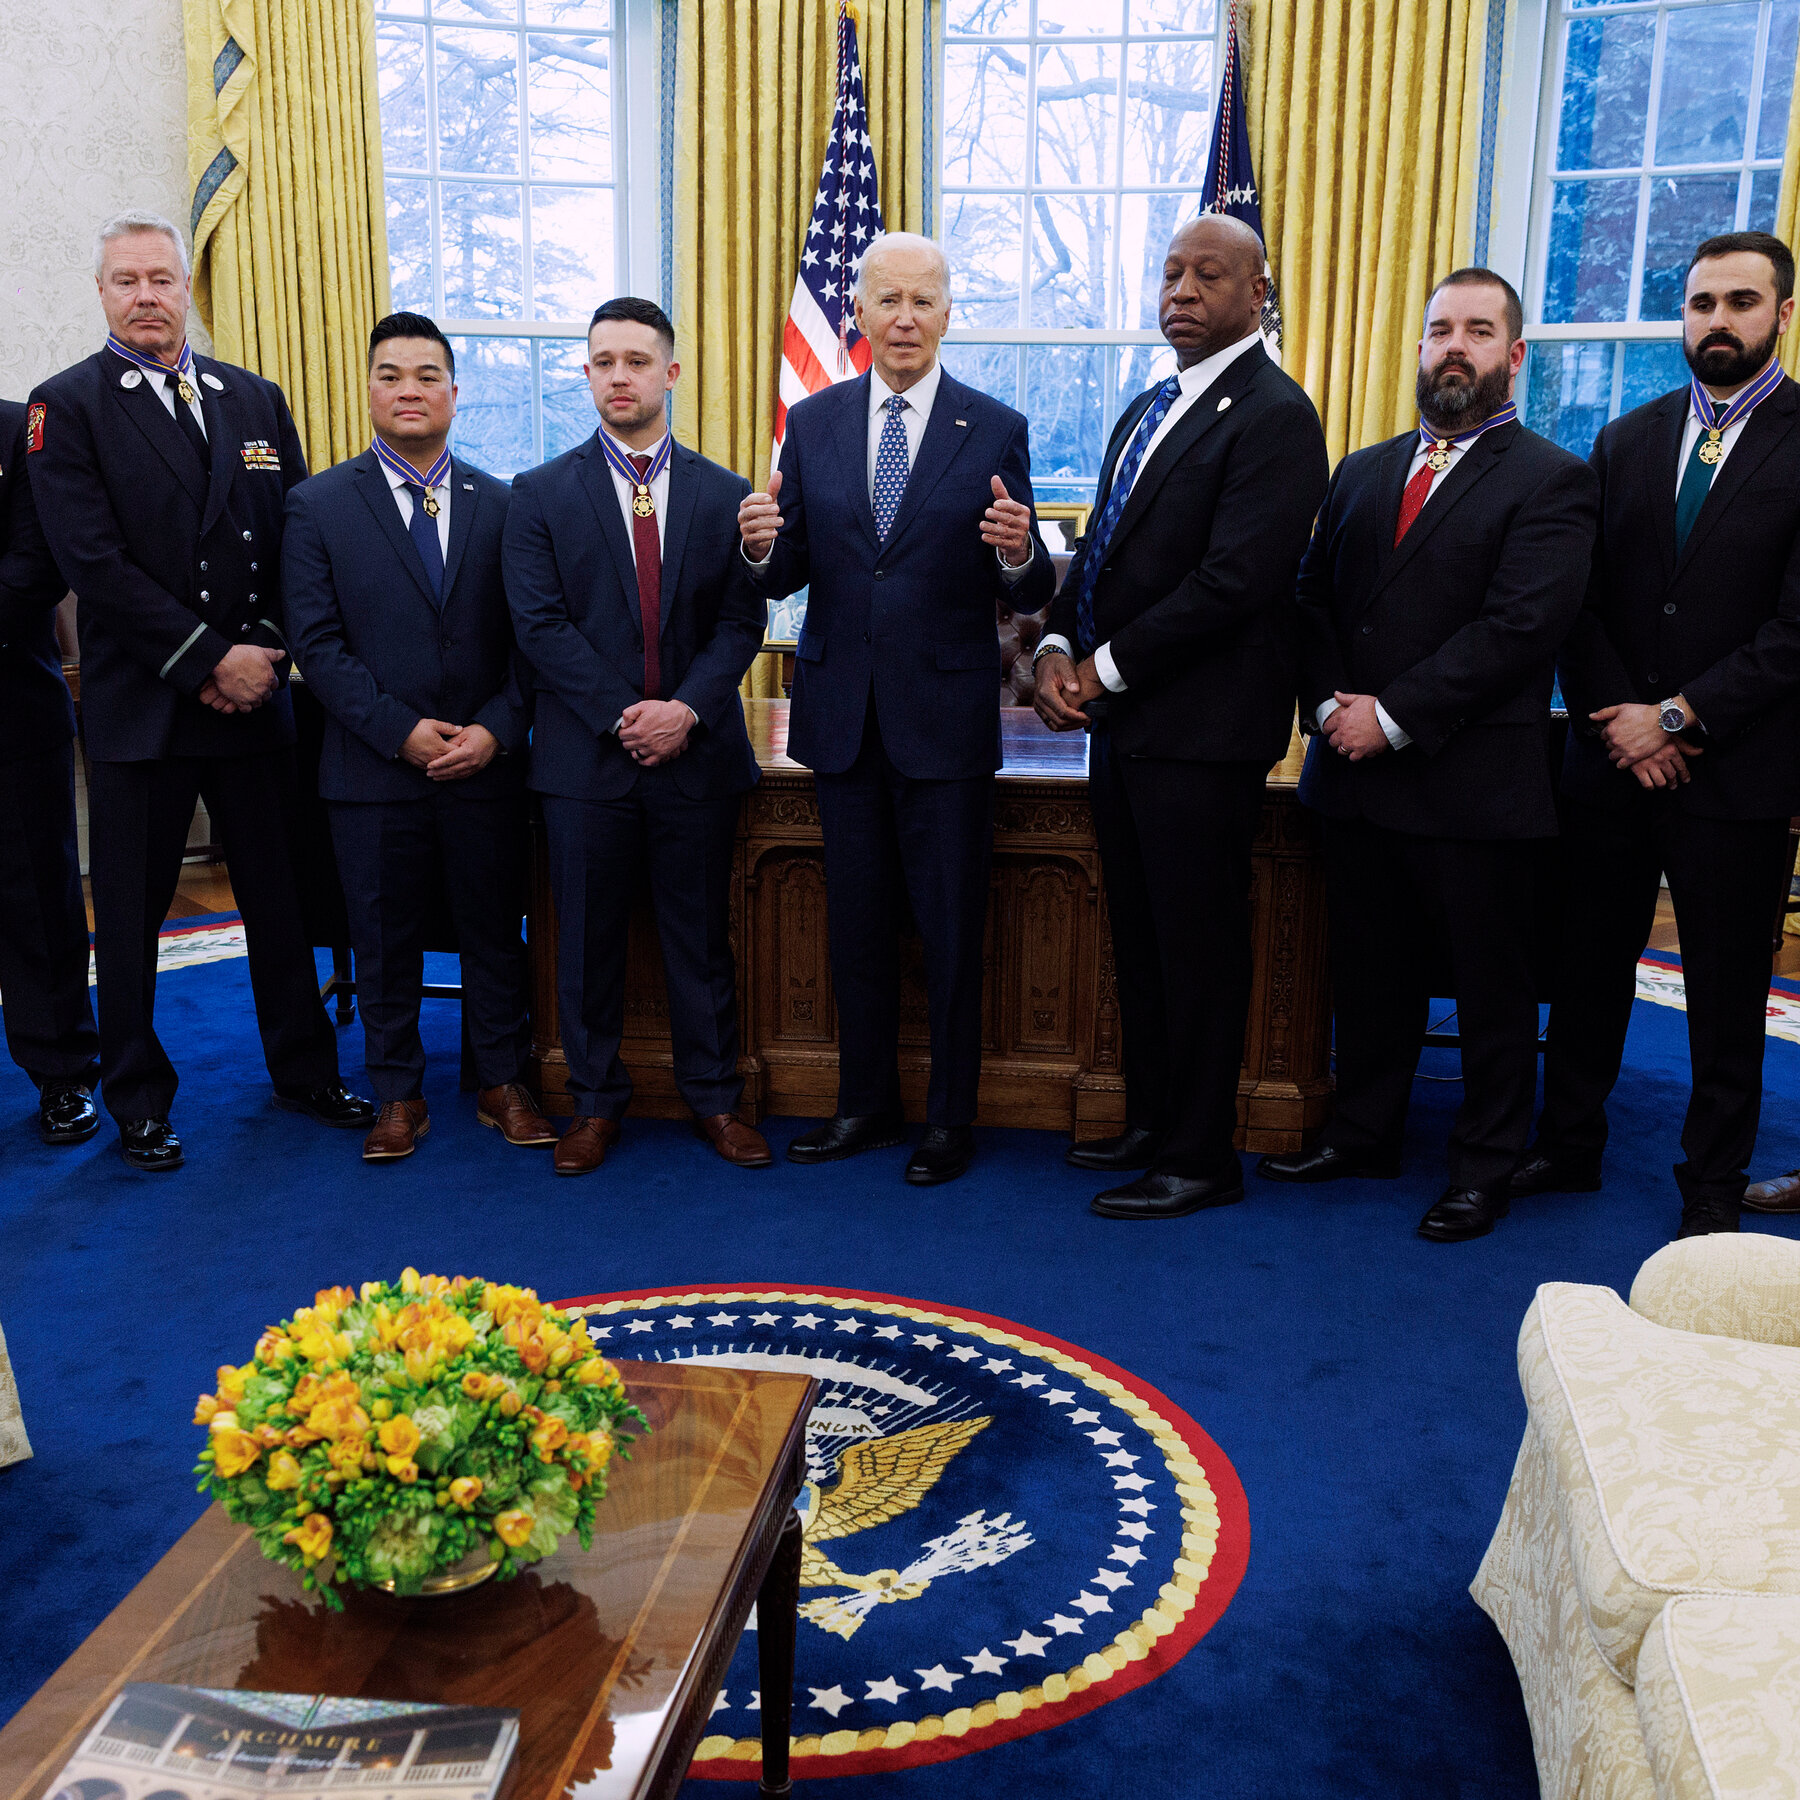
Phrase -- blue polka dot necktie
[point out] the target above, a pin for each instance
(1100, 537)
(892, 466)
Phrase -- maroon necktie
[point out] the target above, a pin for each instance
(1412, 502)
(647, 551)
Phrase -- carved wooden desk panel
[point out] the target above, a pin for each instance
(1050, 1016)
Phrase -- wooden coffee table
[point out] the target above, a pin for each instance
(612, 1657)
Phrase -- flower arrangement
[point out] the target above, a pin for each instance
(383, 1436)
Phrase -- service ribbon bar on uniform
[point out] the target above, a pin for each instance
(1715, 422)
(1438, 447)
(182, 368)
(619, 461)
(395, 464)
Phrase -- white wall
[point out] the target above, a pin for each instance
(93, 119)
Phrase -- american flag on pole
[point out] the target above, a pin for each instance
(1230, 185)
(820, 343)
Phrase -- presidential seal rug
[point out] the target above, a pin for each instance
(1001, 1530)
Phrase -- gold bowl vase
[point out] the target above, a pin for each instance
(472, 1571)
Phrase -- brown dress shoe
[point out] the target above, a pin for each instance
(740, 1146)
(511, 1111)
(583, 1147)
(398, 1126)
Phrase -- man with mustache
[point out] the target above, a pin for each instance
(1444, 572)
(1683, 682)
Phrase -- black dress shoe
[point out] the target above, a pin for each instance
(150, 1145)
(1545, 1175)
(332, 1104)
(67, 1113)
(839, 1137)
(1134, 1148)
(944, 1152)
(1327, 1164)
(1166, 1196)
(1702, 1217)
(1462, 1213)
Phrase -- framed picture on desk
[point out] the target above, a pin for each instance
(1062, 522)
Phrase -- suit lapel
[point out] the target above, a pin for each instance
(373, 484)
(684, 491)
(1763, 430)
(1471, 466)
(850, 427)
(1396, 459)
(1661, 469)
(225, 443)
(465, 499)
(597, 478)
(143, 405)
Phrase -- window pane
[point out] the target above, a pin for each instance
(1065, 401)
(1651, 370)
(1765, 190)
(980, 18)
(984, 115)
(1076, 123)
(1168, 111)
(1778, 79)
(495, 12)
(1589, 265)
(483, 251)
(478, 102)
(1146, 223)
(1076, 16)
(1173, 15)
(1683, 210)
(569, 90)
(1606, 93)
(596, 15)
(982, 240)
(569, 414)
(1707, 60)
(992, 369)
(493, 403)
(409, 244)
(1141, 366)
(400, 82)
(572, 262)
(1071, 240)
(1569, 392)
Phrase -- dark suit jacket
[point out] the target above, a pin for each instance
(371, 643)
(172, 566)
(1720, 623)
(34, 698)
(1455, 632)
(911, 619)
(571, 581)
(1196, 597)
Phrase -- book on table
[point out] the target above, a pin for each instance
(156, 1742)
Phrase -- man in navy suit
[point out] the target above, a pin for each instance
(904, 500)
(160, 478)
(391, 571)
(638, 619)
(43, 922)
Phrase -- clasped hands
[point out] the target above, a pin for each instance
(1353, 727)
(1063, 687)
(242, 679)
(449, 752)
(1635, 740)
(655, 731)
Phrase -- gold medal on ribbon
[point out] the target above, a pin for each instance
(1712, 450)
(1437, 459)
(186, 392)
(432, 509)
(642, 504)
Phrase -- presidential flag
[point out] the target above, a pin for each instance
(1230, 185)
(820, 343)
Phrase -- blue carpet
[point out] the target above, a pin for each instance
(1362, 1382)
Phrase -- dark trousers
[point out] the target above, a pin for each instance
(394, 856)
(1175, 851)
(1390, 894)
(138, 819)
(597, 850)
(881, 829)
(1723, 877)
(43, 922)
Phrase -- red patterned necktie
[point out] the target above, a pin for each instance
(1412, 502)
(646, 549)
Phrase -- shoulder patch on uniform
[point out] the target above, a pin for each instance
(34, 426)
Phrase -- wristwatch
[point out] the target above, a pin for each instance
(1673, 717)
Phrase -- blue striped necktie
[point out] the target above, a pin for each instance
(893, 465)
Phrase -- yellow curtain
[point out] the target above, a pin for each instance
(1365, 124)
(289, 221)
(1787, 228)
(755, 80)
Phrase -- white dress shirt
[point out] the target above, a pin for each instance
(626, 490)
(1690, 435)
(165, 392)
(1195, 379)
(404, 501)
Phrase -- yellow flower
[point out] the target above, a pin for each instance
(312, 1537)
(409, 1280)
(274, 1346)
(204, 1408)
(382, 1409)
(421, 1365)
(475, 1384)
(322, 1345)
(510, 1403)
(600, 1449)
(514, 1527)
(347, 1456)
(231, 1383)
(234, 1451)
(466, 1490)
(549, 1436)
(403, 1469)
(399, 1437)
(307, 1391)
(284, 1471)
(329, 1302)
(223, 1421)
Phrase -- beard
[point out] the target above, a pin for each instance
(1453, 398)
(1727, 362)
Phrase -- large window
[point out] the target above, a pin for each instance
(1074, 140)
(1663, 122)
(505, 202)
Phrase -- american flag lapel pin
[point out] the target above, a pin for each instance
(962, 421)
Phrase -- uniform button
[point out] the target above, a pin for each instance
(1670, 607)
(243, 631)
(203, 568)
(246, 537)
(253, 599)
(253, 566)
(1651, 676)
(881, 574)
(204, 595)
(1367, 629)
